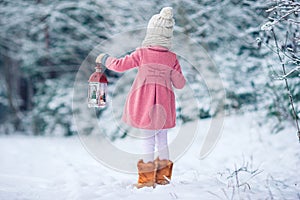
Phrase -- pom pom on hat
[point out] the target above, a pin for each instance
(166, 13)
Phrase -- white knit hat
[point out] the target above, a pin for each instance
(160, 29)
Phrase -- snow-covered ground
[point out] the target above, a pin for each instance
(264, 166)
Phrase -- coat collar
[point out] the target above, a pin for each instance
(158, 48)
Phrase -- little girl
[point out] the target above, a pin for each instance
(150, 104)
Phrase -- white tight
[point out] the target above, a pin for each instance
(152, 137)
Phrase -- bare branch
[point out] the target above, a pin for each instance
(287, 85)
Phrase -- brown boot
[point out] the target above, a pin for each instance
(163, 171)
(147, 173)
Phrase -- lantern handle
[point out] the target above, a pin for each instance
(98, 67)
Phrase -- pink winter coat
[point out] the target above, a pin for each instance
(150, 103)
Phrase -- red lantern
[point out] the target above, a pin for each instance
(97, 91)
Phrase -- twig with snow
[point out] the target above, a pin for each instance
(237, 179)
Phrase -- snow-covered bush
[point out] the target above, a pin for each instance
(52, 114)
(282, 37)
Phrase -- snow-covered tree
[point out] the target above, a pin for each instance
(42, 41)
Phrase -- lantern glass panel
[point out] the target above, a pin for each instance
(97, 94)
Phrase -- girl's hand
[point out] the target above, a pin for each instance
(99, 58)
